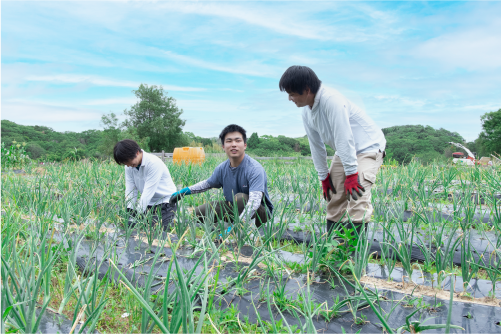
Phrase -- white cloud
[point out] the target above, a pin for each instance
(254, 68)
(276, 19)
(205, 108)
(33, 112)
(320, 21)
(75, 78)
(476, 48)
(111, 101)
(469, 37)
(484, 107)
(404, 100)
(100, 81)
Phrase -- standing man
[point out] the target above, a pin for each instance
(243, 180)
(147, 174)
(330, 118)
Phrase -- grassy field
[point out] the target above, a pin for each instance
(50, 211)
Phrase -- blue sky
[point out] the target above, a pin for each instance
(64, 64)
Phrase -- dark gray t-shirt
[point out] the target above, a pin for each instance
(248, 176)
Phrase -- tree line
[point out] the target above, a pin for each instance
(155, 123)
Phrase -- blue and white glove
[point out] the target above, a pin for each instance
(178, 195)
(228, 230)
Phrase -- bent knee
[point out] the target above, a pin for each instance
(241, 198)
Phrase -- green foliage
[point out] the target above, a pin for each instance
(304, 146)
(114, 132)
(289, 142)
(14, 156)
(269, 146)
(111, 133)
(46, 144)
(74, 154)
(491, 134)
(204, 141)
(157, 117)
(426, 143)
(210, 145)
(478, 147)
(35, 151)
(253, 141)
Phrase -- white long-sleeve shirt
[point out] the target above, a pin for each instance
(336, 121)
(152, 179)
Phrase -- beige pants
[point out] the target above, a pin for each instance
(360, 210)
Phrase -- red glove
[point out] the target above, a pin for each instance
(326, 185)
(352, 185)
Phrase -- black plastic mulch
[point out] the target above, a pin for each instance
(484, 318)
(57, 323)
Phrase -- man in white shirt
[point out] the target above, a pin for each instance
(330, 118)
(147, 174)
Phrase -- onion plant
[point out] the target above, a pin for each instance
(91, 196)
(403, 249)
(26, 278)
(469, 267)
(446, 248)
(183, 297)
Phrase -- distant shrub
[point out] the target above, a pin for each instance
(15, 155)
(35, 151)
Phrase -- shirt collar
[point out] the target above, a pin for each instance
(233, 168)
(317, 98)
(144, 161)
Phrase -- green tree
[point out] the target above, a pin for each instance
(253, 141)
(491, 134)
(290, 142)
(406, 141)
(156, 116)
(114, 132)
(111, 133)
(131, 133)
(35, 151)
(46, 144)
(304, 146)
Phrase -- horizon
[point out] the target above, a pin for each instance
(405, 63)
(216, 136)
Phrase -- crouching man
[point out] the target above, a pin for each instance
(243, 180)
(330, 118)
(147, 174)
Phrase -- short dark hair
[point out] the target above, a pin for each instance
(232, 128)
(297, 78)
(125, 150)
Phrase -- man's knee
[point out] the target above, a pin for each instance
(241, 199)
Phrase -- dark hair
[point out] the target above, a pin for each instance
(297, 78)
(125, 150)
(233, 128)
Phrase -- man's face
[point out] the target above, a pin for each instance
(234, 145)
(136, 161)
(301, 100)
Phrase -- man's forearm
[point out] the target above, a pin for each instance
(252, 205)
(200, 187)
(320, 163)
(318, 151)
(131, 199)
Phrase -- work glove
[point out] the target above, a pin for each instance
(326, 185)
(352, 185)
(178, 195)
